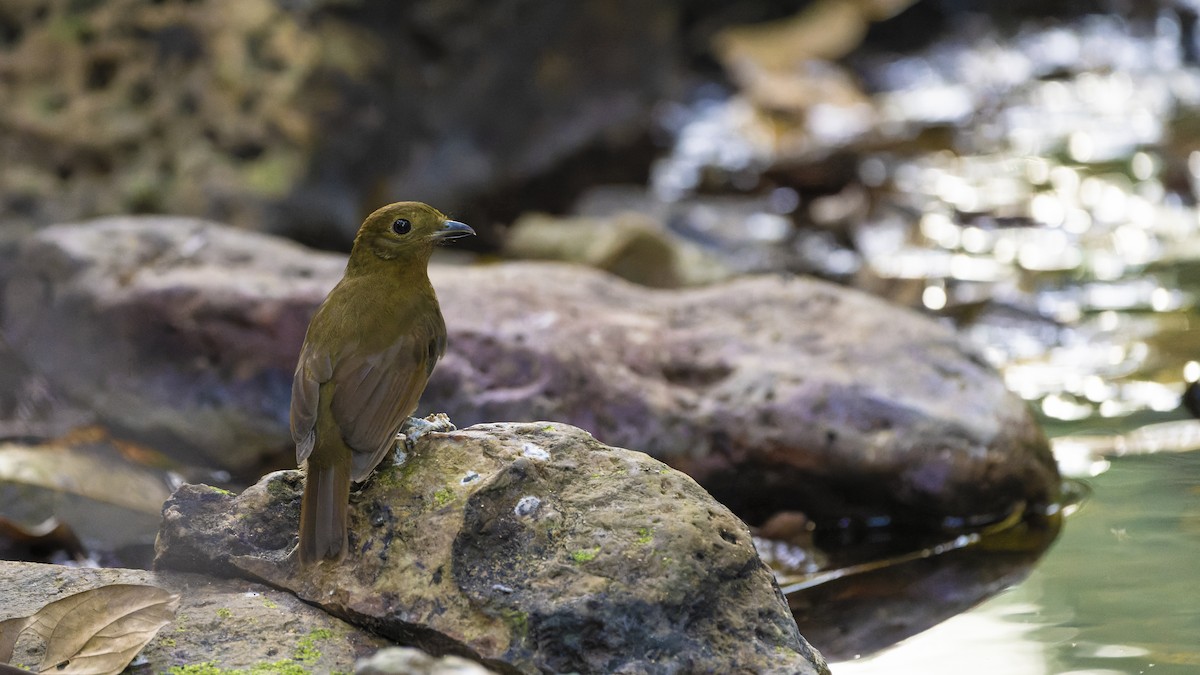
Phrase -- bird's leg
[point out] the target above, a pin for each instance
(415, 427)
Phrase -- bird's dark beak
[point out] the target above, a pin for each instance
(452, 229)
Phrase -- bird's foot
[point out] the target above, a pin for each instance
(415, 427)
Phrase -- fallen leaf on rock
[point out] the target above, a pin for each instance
(96, 632)
(10, 629)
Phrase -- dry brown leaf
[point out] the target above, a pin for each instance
(10, 630)
(98, 631)
(106, 628)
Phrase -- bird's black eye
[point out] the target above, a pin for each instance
(401, 226)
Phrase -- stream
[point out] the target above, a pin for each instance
(1066, 245)
(1117, 593)
(1037, 188)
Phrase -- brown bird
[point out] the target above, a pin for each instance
(366, 358)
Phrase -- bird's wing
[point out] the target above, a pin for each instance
(374, 392)
(314, 369)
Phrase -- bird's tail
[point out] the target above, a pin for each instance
(323, 512)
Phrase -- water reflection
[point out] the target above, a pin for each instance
(1099, 603)
(868, 599)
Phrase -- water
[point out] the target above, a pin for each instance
(1119, 592)
(1038, 190)
(1057, 235)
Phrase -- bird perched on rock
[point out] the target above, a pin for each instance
(366, 357)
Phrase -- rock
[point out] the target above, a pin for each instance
(776, 394)
(628, 244)
(228, 624)
(28, 408)
(298, 115)
(528, 547)
(409, 661)
(178, 332)
(717, 236)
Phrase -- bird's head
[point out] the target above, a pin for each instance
(405, 231)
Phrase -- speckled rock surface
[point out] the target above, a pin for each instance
(528, 547)
(231, 624)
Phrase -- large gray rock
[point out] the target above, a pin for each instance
(229, 624)
(777, 394)
(774, 393)
(178, 332)
(529, 547)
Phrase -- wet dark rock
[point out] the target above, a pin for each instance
(528, 547)
(1191, 399)
(230, 624)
